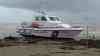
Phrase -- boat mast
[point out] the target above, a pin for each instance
(42, 8)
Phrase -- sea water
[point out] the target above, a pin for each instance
(6, 34)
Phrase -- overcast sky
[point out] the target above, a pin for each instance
(72, 10)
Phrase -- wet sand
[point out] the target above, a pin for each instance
(45, 48)
(49, 48)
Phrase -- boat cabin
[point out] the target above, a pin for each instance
(46, 18)
(46, 21)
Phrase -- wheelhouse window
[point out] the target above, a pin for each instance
(43, 18)
(57, 18)
(37, 18)
(54, 18)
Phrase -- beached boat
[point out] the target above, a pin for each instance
(48, 26)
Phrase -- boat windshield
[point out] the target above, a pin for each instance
(54, 18)
(42, 18)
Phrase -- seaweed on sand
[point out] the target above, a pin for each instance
(38, 54)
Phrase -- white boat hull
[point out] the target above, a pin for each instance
(58, 33)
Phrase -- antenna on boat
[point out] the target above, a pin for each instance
(87, 31)
(42, 8)
(42, 12)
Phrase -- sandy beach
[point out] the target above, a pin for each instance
(49, 48)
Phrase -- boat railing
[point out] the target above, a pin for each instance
(76, 27)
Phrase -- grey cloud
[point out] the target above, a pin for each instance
(66, 5)
(70, 8)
